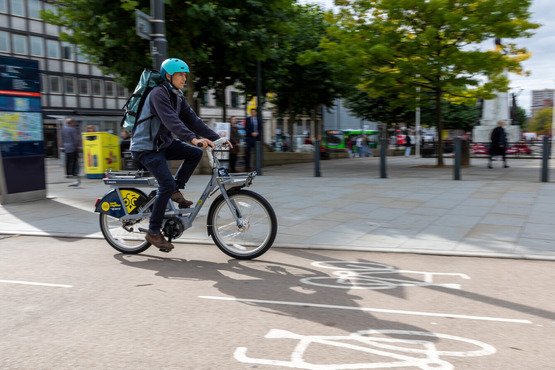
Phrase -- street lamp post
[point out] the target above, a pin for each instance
(158, 42)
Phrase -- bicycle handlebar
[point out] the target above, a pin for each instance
(221, 141)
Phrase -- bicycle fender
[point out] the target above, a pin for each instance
(111, 203)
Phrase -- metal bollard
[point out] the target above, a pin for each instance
(545, 159)
(383, 153)
(457, 164)
(317, 158)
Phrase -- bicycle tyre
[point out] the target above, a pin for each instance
(253, 240)
(120, 239)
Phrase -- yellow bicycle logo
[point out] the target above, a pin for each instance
(129, 199)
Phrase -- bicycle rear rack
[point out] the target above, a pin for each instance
(130, 178)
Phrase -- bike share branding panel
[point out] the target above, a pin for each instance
(22, 170)
(112, 205)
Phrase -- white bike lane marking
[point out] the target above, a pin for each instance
(416, 349)
(35, 283)
(417, 352)
(368, 309)
(374, 276)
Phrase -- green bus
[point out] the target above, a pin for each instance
(338, 138)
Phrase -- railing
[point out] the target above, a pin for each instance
(524, 149)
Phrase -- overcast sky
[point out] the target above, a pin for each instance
(542, 46)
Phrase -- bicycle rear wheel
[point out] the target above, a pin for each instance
(124, 236)
(259, 228)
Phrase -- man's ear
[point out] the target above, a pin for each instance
(168, 77)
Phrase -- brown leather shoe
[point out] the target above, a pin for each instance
(159, 241)
(180, 199)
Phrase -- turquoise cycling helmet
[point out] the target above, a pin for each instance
(173, 65)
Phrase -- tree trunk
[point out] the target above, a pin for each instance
(191, 91)
(290, 123)
(439, 125)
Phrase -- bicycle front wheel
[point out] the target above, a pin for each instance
(257, 231)
(122, 236)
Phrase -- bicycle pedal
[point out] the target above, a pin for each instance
(165, 250)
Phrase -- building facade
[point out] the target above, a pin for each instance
(541, 99)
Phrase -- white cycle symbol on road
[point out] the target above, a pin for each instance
(372, 275)
(384, 349)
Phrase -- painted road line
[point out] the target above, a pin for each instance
(366, 309)
(34, 283)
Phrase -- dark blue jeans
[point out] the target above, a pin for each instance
(156, 163)
(72, 164)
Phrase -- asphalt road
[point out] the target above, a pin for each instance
(78, 304)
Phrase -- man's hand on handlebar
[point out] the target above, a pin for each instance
(202, 143)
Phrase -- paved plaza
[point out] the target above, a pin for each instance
(418, 208)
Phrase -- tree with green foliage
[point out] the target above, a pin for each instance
(541, 122)
(391, 47)
(521, 118)
(300, 86)
(384, 109)
(220, 39)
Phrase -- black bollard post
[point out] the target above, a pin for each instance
(258, 157)
(383, 153)
(545, 159)
(317, 158)
(457, 164)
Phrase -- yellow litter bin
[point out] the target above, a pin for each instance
(101, 152)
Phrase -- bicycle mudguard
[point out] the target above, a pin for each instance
(111, 204)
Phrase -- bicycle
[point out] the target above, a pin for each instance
(241, 222)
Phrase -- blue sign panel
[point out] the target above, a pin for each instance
(21, 129)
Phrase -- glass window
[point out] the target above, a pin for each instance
(97, 87)
(3, 6)
(43, 83)
(81, 57)
(34, 8)
(70, 85)
(67, 50)
(55, 84)
(52, 49)
(37, 47)
(19, 44)
(121, 92)
(84, 87)
(204, 99)
(18, 7)
(109, 88)
(4, 41)
(235, 99)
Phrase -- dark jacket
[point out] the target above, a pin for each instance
(172, 114)
(249, 128)
(498, 141)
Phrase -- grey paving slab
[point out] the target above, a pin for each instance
(417, 208)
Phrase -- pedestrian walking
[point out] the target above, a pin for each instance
(252, 128)
(498, 144)
(359, 145)
(408, 145)
(71, 141)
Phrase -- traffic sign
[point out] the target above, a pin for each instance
(142, 24)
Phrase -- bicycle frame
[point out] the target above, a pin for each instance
(220, 180)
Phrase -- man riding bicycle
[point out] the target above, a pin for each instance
(153, 144)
